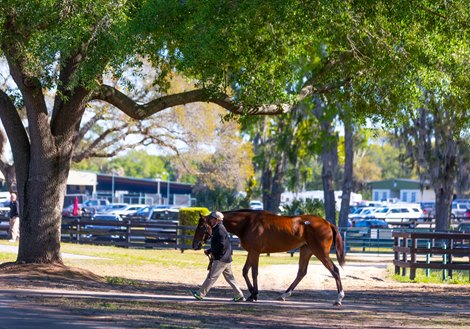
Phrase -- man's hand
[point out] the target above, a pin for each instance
(207, 252)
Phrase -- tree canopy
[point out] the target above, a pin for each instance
(250, 57)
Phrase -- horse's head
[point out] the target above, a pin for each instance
(202, 234)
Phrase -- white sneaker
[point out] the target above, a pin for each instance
(11, 240)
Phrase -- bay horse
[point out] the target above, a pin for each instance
(261, 231)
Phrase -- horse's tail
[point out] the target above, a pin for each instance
(339, 246)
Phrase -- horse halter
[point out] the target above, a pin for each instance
(207, 231)
(204, 231)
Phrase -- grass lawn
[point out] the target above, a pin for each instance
(143, 264)
(435, 276)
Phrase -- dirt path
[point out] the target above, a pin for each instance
(372, 300)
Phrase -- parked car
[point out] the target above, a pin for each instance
(372, 223)
(112, 207)
(4, 217)
(82, 211)
(380, 212)
(256, 205)
(115, 231)
(459, 210)
(95, 205)
(167, 217)
(428, 208)
(467, 213)
(463, 244)
(149, 212)
(5, 209)
(403, 213)
(127, 210)
(464, 227)
(362, 213)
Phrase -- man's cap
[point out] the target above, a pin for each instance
(217, 215)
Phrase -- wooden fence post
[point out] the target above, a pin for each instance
(183, 233)
(414, 245)
(396, 253)
(444, 260)
(78, 230)
(449, 257)
(428, 260)
(405, 256)
(128, 233)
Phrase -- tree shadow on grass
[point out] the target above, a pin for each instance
(153, 304)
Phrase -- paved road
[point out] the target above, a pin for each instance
(14, 250)
(18, 314)
(18, 311)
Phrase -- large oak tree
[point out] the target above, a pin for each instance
(69, 48)
(241, 54)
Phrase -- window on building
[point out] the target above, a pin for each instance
(413, 197)
(384, 196)
(376, 196)
(404, 196)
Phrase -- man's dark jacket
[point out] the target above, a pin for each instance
(221, 248)
(13, 209)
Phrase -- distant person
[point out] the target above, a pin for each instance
(221, 251)
(14, 219)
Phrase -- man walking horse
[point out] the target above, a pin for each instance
(264, 232)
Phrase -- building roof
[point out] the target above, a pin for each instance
(398, 183)
(140, 185)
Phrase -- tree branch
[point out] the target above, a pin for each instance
(309, 88)
(70, 67)
(444, 17)
(85, 128)
(17, 136)
(142, 111)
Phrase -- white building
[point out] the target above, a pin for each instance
(288, 197)
(404, 190)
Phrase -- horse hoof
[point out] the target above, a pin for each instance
(337, 303)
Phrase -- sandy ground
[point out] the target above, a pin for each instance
(372, 299)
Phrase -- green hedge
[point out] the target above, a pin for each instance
(190, 217)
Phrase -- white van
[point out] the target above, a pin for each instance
(403, 212)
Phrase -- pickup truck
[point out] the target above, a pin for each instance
(163, 222)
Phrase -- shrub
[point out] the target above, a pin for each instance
(190, 217)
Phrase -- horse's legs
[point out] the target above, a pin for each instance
(304, 258)
(252, 261)
(246, 269)
(326, 260)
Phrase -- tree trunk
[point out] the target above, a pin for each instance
(328, 188)
(329, 156)
(41, 215)
(273, 187)
(348, 174)
(443, 206)
(432, 141)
